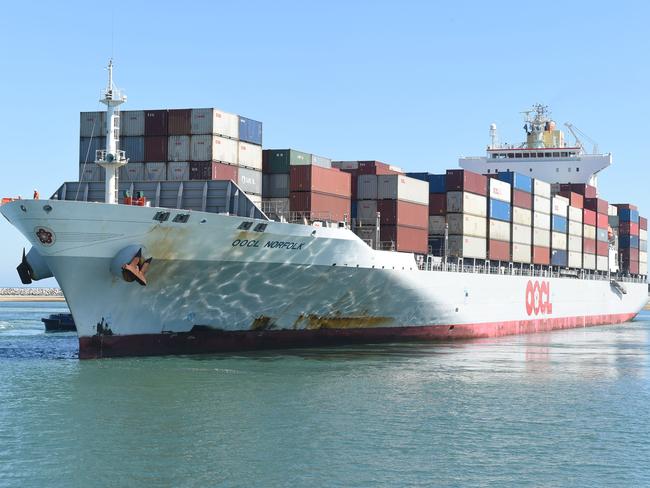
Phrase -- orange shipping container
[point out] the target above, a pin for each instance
(404, 238)
(320, 205)
(312, 178)
(398, 212)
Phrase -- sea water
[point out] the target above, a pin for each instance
(567, 408)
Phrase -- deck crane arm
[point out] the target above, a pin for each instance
(575, 131)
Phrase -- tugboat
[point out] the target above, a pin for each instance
(59, 322)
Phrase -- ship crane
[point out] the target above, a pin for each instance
(575, 131)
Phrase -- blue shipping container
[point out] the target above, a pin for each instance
(559, 257)
(133, 147)
(559, 224)
(419, 176)
(250, 130)
(437, 183)
(627, 242)
(437, 245)
(601, 235)
(500, 210)
(353, 209)
(627, 215)
(517, 181)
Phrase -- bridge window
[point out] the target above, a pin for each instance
(533, 155)
(540, 155)
(564, 154)
(525, 155)
(577, 170)
(517, 155)
(530, 169)
(488, 170)
(549, 155)
(556, 154)
(511, 155)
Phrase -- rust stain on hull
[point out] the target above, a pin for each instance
(314, 322)
(263, 323)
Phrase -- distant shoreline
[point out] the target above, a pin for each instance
(30, 298)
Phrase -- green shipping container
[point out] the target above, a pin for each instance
(278, 161)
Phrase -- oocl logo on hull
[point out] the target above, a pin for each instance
(538, 298)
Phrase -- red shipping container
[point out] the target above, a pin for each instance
(541, 255)
(586, 191)
(179, 122)
(631, 267)
(589, 217)
(629, 254)
(643, 223)
(377, 168)
(522, 199)
(627, 206)
(155, 123)
(602, 221)
(437, 203)
(498, 250)
(628, 228)
(155, 148)
(589, 246)
(207, 170)
(462, 180)
(598, 205)
(405, 239)
(320, 205)
(397, 212)
(575, 199)
(321, 180)
(602, 248)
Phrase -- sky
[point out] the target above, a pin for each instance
(411, 83)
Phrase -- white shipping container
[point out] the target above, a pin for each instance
(466, 247)
(575, 243)
(589, 231)
(558, 240)
(466, 225)
(575, 228)
(499, 190)
(132, 172)
(560, 206)
(541, 204)
(91, 172)
(541, 221)
(541, 237)
(643, 235)
(277, 206)
(541, 188)
(522, 216)
(178, 148)
(256, 199)
(437, 224)
(213, 121)
(522, 234)
(367, 210)
(214, 148)
(602, 263)
(132, 122)
(178, 171)
(321, 161)
(92, 124)
(499, 230)
(521, 253)
(643, 256)
(345, 164)
(643, 269)
(155, 171)
(367, 187)
(249, 155)
(575, 214)
(250, 180)
(612, 210)
(575, 259)
(399, 187)
(589, 261)
(464, 202)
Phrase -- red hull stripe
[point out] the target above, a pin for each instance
(208, 341)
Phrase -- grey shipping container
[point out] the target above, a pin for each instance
(132, 123)
(367, 187)
(92, 124)
(91, 172)
(156, 171)
(133, 146)
(132, 172)
(88, 146)
(321, 161)
(250, 181)
(178, 171)
(275, 186)
(178, 148)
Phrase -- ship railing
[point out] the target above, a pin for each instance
(433, 263)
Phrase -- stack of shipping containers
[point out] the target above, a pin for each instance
(437, 211)
(522, 215)
(575, 243)
(643, 246)
(559, 231)
(629, 242)
(589, 239)
(466, 214)
(541, 222)
(600, 208)
(499, 220)
(319, 191)
(276, 170)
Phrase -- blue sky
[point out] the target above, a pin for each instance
(414, 84)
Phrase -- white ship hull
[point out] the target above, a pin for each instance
(213, 287)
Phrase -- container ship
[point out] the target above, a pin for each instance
(183, 236)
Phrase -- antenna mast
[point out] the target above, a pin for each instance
(110, 158)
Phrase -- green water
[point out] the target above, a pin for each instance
(569, 408)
